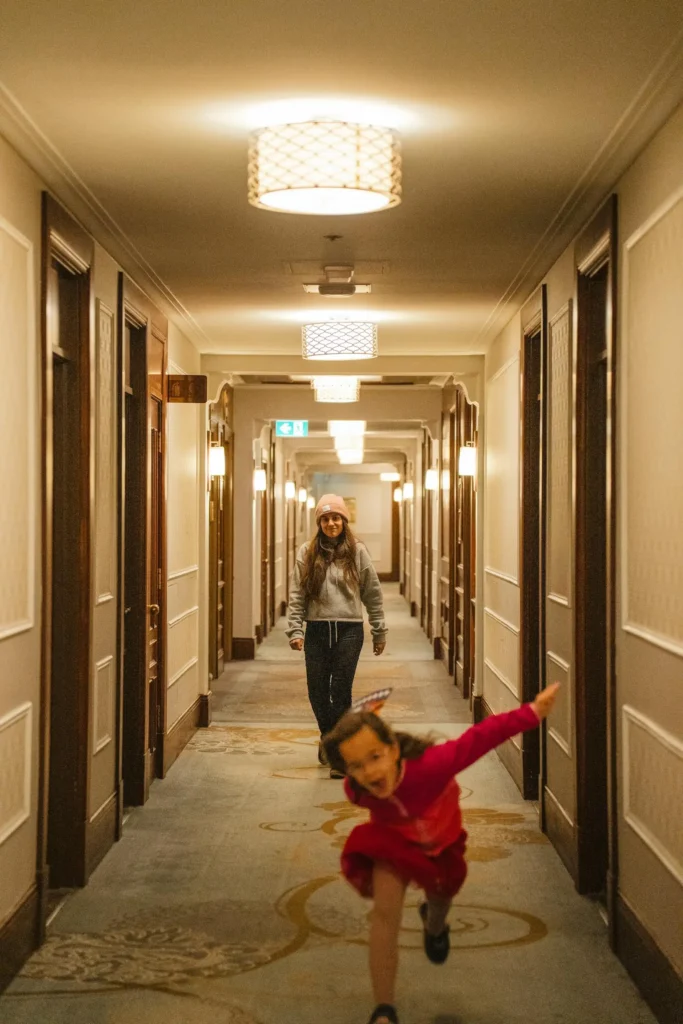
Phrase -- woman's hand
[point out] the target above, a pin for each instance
(297, 643)
(543, 704)
(378, 647)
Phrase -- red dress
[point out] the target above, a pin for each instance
(418, 829)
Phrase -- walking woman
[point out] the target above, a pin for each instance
(332, 579)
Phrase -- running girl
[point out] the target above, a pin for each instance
(415, 834)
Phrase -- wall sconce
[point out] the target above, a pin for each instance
(216, 460)
(432, 480)
(445, 480)
(408, 490)
(398, 494)
(310, 502)
(389, 478)
(259, 480)
(303, 495)
(467, 460)
(290, 490)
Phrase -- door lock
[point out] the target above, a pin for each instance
(154, 608)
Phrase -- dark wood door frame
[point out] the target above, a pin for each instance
(595, 719)
(67, 253)
(136, 719)
(271, 526)
(532, 518)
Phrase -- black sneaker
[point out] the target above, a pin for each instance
(322, 756)
(336, 774)
(437, 947)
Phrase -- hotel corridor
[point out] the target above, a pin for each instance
(223, 903)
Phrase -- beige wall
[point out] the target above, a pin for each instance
(20, 556)
(373, 503)
(650, 539)
(650, 535)
(186, 442)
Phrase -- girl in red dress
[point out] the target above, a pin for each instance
(415, 834)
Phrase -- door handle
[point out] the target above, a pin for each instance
(154, 608)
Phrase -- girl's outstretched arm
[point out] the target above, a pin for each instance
(447, 759)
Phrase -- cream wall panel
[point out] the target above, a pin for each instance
(17, 422)
(15, 769)
(560, 729)
(497, 691)
(182, 592)
(502, 596)
(501, 544)
(182, 644)
(103, 704)
(653, 787)
(105, 456)
(652, 465)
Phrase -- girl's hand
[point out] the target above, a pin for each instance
(543, 704)
(377, 648)
(297, 644)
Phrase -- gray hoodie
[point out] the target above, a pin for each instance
(338, 601)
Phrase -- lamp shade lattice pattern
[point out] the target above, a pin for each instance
(339, 339)
(336, 389)
(324, 167)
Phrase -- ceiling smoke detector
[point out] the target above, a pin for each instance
(338, 283)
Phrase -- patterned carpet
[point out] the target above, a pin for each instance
(222, 904)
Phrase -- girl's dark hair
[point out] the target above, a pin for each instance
(322, 551)
(411, 747)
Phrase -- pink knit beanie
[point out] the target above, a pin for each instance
(331, 503)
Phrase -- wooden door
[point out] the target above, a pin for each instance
(532, 519)
(446, 576)
(271, 531)
(461, 550)
(262, 631)
(68, 515)
(470, 563)
(156, 698)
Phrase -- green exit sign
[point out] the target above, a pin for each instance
(291, 428)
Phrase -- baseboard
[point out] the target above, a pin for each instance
(283, 609)
(258, 633)
(101, 834)
(19, 936)
(401, 589)
(243, 648)
(437, 648)
(657, 979)
(508, 753)
(205, 709)
(478, 709)
(387, 577)
(561, 834)
(413, 609)
(179, 736)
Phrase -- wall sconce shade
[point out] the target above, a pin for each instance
(290, 490)
(336, 389)
(398, 494)
(339, 339)
(324, 167)
(259, 480)
(303, 495)
(216, 460)
(389, 478)
(310, 502)
(431, 480)
(408, 490)
(467, 460)
(346, 428)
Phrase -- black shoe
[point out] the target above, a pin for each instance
(336, 774)
(384, 1010)
(322, 756)
(437, 947)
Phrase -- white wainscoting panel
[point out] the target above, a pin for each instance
(16, 731)
(103, 703)
(17, 430)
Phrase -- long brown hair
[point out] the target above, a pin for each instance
(410, 747)
(322, 552)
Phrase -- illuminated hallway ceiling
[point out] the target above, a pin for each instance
(515, 118)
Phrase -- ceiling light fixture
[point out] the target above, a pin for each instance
(346, 428)
(350, 456)
(336, 389)
(324, 167)
(339, 339)
(349, 441)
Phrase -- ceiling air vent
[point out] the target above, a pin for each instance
(338, 283)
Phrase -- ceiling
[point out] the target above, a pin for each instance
(515, 118)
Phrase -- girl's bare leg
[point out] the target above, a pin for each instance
(389, 893)
(437, 912)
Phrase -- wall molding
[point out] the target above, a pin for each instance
(100, 742)
(181, 672)
(501, 678)
(559, 599)
(181, 732)
(503, 369)
(179, 573)
(28, 620)
(194, 610)
(19, 936)
(673, 745)
(501, 575)
(23, 813)
(504, 622)
(672, 645)
(657, 979)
